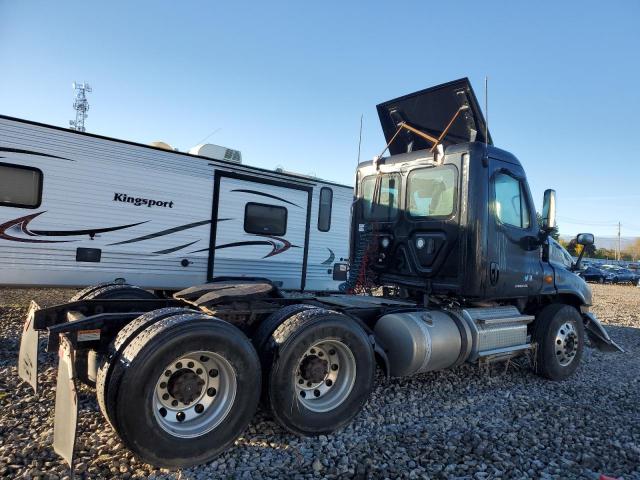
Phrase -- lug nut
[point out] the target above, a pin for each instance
(309, 384)
(199, 408)
(204, 359)
(167, 373)
(211, 391)
(328, 383)
(320, 354)
(190, 364)
(199, 371)
(180, 416)
(334, 367)
(312, 351)
(163, 385)
(179, 365)
(213, 373)
(174, 403)
(316, 393)
(163, 412)
(300, 381)
(303, 394)
(165, 396)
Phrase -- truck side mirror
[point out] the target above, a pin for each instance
(549, 210)
(585, 239)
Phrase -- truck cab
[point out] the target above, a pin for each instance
(457, 220)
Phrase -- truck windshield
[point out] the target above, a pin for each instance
(384, 207)
(431, 191)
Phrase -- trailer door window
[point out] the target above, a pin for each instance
(324, 210)
(511, 204)
(263, 219)
(431, 192)
(20, 186)
(381, 205)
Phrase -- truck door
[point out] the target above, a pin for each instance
(514, 260)
(260, 229)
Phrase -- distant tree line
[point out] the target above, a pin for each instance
(629, 254)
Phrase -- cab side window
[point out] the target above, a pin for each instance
(511, 203)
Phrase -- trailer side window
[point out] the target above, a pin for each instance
(263, 219)
(20, 186)
(324, 209)
(431, 192)
(511, 203)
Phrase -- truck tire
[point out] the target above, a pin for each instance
(102, 291)
(559, 333)
(273, 321)
(321, 371)
(106, 395)
(188, 386)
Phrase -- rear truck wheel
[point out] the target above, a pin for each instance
(321, 370)
(85, 360)
(559, 333)
(188, 385)
(106, 394)
(273, 321)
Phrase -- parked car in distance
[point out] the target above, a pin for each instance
(622, 275)
(593, 274)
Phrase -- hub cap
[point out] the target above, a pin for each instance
(566, 345)
(325, 375)
(194, 394)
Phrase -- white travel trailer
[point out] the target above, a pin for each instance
(80, 209)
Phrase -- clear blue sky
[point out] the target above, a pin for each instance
(286, 82)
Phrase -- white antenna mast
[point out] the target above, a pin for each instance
(81, 106)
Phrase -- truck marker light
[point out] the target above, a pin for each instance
(548, 279)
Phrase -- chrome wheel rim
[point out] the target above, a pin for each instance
(325, 375)
(194, 394)
(566, 345)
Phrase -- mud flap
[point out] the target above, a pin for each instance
(28, 356)
(66, 413)
(598, 335)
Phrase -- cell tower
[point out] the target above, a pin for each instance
(81, 106)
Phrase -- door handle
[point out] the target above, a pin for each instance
(494, 273)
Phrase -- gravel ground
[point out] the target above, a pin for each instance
(467, 423)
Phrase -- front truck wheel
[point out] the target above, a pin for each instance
(186, 387)
(321, 371)
(559, 333)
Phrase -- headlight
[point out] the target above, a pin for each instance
(420, 243)
(385, 242)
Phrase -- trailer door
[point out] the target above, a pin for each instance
(260, 229)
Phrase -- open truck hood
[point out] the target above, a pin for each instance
(431, 110)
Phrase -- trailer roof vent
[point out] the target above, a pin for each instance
(162, 145)
(217, 152)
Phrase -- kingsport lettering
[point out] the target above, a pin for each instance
(138, 201)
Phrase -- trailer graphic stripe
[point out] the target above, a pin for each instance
(21, 225)
(169, 231)
(255, 192)
(175, 249)
(29, 152)
(278, 245)
(332, 257)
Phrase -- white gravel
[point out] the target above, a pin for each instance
(467, 423)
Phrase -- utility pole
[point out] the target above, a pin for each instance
(619, 252)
